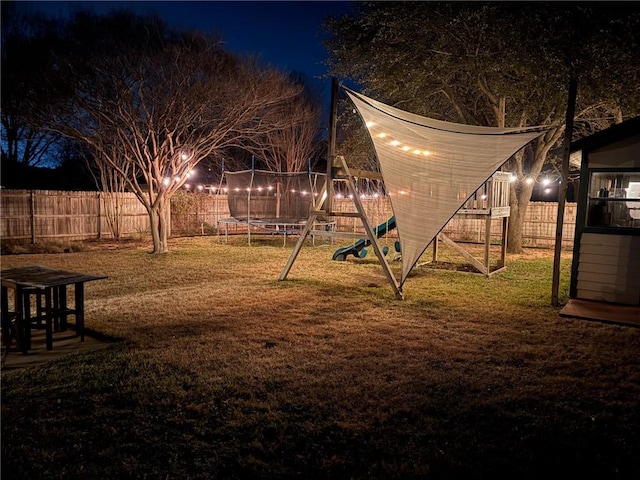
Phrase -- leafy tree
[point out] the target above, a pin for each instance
(496, 64)
(153, 103)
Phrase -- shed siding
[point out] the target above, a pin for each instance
(609, 268)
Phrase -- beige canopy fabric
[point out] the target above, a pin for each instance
(431, 168)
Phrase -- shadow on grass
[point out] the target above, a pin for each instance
(117, 413)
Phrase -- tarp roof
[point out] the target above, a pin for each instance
(431, 167)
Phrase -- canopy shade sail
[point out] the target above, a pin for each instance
(431, 168)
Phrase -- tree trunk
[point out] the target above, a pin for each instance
(519, 204)
(164, 227)
(113, 212)
(154, 225)
(520, 192)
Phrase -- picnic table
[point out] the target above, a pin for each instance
(48, 285)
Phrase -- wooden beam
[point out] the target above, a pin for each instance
(334, 234)
(466, 255)
(562, 191)
(397, 288)
(331, 151)
(366, 174)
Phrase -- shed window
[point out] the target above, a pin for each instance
(614, 199)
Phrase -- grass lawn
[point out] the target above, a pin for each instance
(222, 371)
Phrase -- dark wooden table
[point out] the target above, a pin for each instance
(46, 284)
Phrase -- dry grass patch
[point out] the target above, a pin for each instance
(225, 372)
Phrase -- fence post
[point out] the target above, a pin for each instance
(32, 215)
(99, 197)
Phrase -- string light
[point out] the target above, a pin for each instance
(397, 143)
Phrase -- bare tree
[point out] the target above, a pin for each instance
(112, 183)
(25, 59)
(152, 113)
(289, 146)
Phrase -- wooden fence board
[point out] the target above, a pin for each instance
(43, 215)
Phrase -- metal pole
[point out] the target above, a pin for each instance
(253, 172)
(562, 191)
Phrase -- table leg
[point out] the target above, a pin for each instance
(4, 307)
(8, 333)
(49, 318)
(23, 328)
(23, 318)
(79, 307)
(62, 305)
(39, 311)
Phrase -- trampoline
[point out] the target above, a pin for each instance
(276, 203)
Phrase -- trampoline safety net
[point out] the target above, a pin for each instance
(271, 197)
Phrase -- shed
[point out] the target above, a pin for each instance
(605, 270)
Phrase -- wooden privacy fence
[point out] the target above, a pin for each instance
(31, 216)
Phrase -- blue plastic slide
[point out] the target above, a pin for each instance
(358, 248)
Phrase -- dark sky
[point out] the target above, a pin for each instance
(286, 34)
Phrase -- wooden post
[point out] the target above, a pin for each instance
(503, 249)
(434, 258)
(331, 151)
(99, 197)
(487, 228)
(32, 216)
(562, 191)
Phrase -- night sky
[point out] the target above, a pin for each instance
(286, 34)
